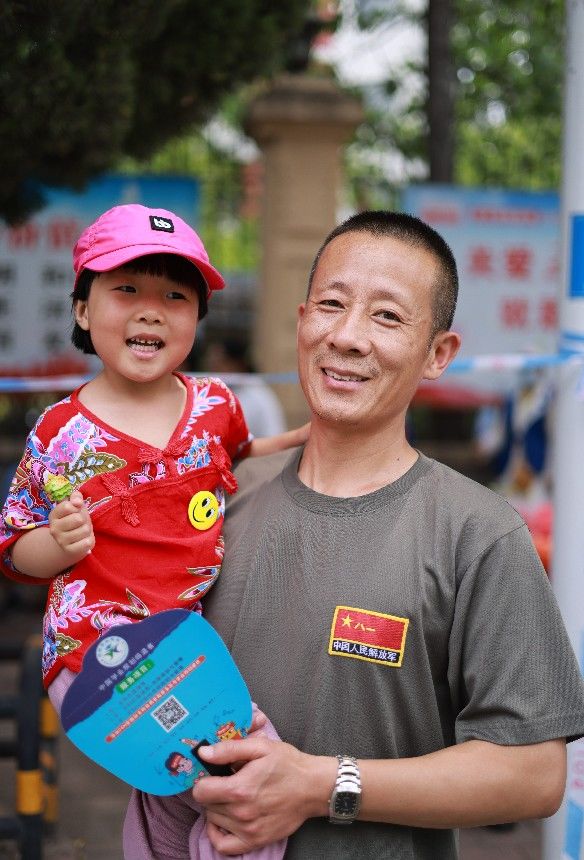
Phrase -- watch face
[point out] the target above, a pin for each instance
(346, 803)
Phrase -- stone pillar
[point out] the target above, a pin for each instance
(300, 123)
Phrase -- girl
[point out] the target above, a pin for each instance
(118, 500)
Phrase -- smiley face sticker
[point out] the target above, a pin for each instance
(203, 510)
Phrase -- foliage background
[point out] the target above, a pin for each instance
(83, 82)
(504, 74)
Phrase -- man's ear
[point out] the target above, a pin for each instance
(443, 350)
(81, 316)
(301, 309)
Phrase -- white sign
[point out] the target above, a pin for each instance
(506, 245)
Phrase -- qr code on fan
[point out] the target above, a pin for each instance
(169, 714)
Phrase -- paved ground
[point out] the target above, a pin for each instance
(92, 802)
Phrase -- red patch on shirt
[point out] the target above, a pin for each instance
(370, 636)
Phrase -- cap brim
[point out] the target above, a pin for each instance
(114, 259)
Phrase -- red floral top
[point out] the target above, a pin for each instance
(157, 515)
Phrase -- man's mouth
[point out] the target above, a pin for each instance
(343, 377)
(140, 344)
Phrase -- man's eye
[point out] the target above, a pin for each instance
(330, 303)
(390, 316)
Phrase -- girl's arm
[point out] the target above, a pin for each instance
(272, 444)
(46, 551)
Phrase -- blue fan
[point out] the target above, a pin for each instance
(149, 694)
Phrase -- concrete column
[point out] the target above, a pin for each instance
(300, 123)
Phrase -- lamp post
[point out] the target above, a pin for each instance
(564, 833)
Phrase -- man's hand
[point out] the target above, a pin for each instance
(71, 527)
(275, 790)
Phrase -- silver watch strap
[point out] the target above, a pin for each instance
(348, 782)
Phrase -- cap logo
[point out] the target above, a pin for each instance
(165, 225)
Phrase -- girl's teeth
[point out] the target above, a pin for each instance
(144, 345)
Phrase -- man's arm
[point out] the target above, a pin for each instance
(471, 784)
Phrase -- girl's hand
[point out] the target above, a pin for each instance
(71, 527)
(272, 444)
(299, 436)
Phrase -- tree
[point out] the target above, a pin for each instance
(441, 91)
(84, 81)
(510, 61)
(477, 101)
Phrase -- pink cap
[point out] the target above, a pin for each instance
(124, 233)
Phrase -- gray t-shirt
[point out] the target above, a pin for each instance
(391, 625)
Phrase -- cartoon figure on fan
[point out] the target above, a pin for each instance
(118, 500)
(177, 763)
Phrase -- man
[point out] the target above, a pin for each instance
(379, 605)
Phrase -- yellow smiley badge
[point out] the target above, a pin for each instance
(203, 510)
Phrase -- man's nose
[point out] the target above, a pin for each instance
(350, 333)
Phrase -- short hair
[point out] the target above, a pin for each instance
(177, 269)
(418, 234)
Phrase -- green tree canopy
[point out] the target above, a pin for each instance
(507, 61)
(83, 82)
(510, 68)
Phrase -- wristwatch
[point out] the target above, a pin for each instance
(345, 800)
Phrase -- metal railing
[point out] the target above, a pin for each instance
(35, 730)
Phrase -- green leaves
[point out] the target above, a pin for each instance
(509, 65)
(510, 71)
(83, 82)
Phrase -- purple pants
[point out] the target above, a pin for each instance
(168, 828)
